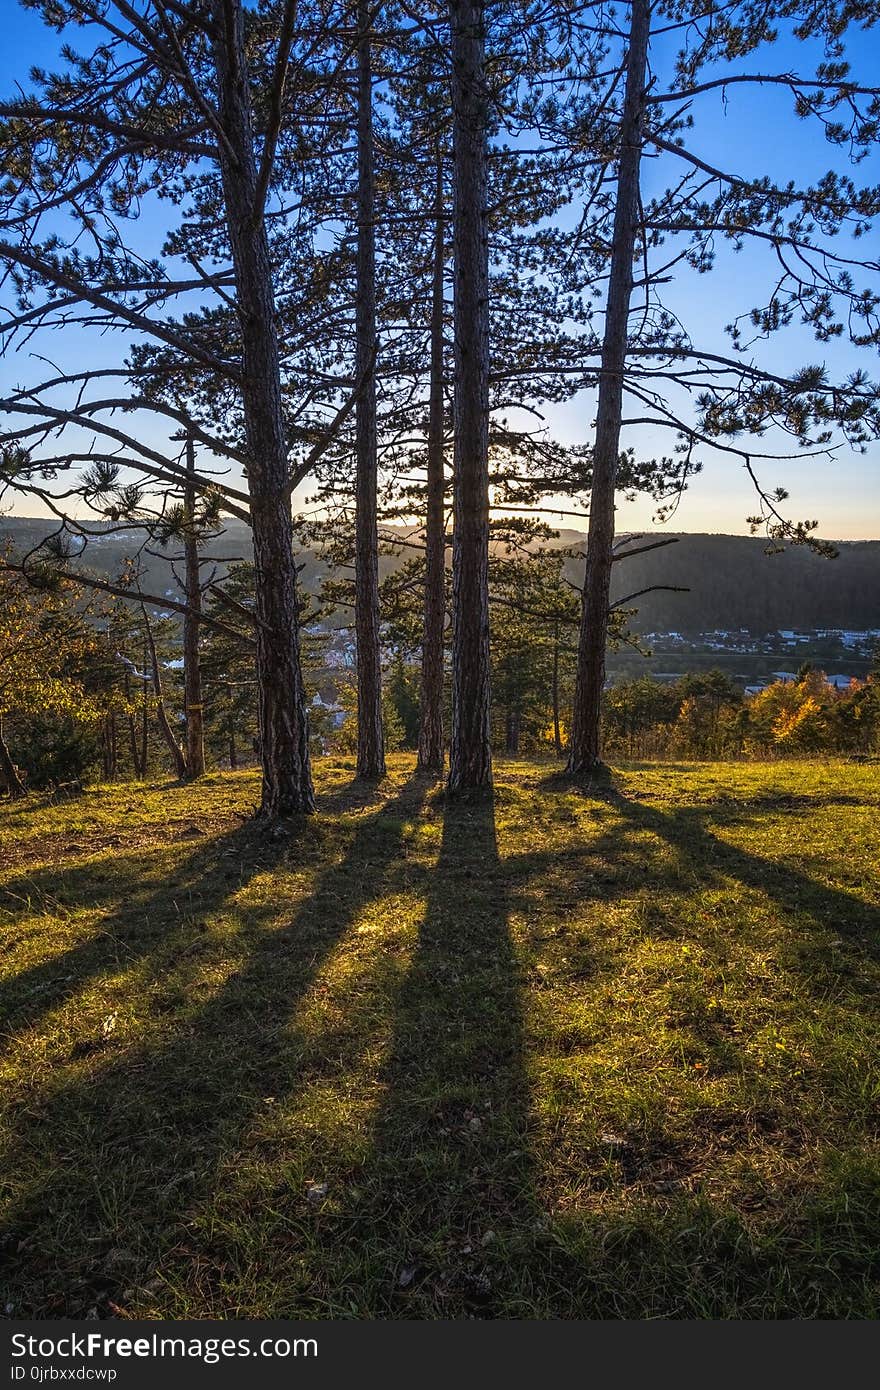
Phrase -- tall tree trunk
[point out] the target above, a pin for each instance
(9, 772)
(174, 748)
(370, 737)
(283, 715)
(470, 757)
(557, 731)
(192, 675)
(583, 754)
(431, 696)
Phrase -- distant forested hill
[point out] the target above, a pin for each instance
(106, 554)
(732, 583)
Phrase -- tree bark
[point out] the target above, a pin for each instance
(283, 715)
(14, 785)
(370, 737)
(470, 757)
(192, 675)
(584, 743)
(431, 696)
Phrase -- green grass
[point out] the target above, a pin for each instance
(561, 1055)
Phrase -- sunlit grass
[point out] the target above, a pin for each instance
(570, 1054)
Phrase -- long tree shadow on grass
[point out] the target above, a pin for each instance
(147, 896)
(144, 901)
(792, 1241)
(688, 833)
(445, 1198)
(438, 1216)
(109, 1164)
(355, 794)
(455, 1213)
(452, 1213)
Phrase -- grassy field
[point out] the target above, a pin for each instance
(562, 1055)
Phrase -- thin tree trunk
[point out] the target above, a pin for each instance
(105, 750)
(108, 748)
(174, 747)
(145, 722)
(512, 732)
(583, 755)
(431, 698)
(370, 737)
(112, 750)
(145, 744)
(470, 757)
(233, 751)
(192, 675)
(133, 743)
(557, 732)
(283, 715)
(14, 785)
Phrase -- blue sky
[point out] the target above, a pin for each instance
(755, 132)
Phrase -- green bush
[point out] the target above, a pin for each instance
(53, 749)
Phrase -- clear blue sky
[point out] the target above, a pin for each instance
(754, 132)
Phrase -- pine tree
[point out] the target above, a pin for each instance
(470, 757)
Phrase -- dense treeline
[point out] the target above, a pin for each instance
(708, 716)
(382, 241)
